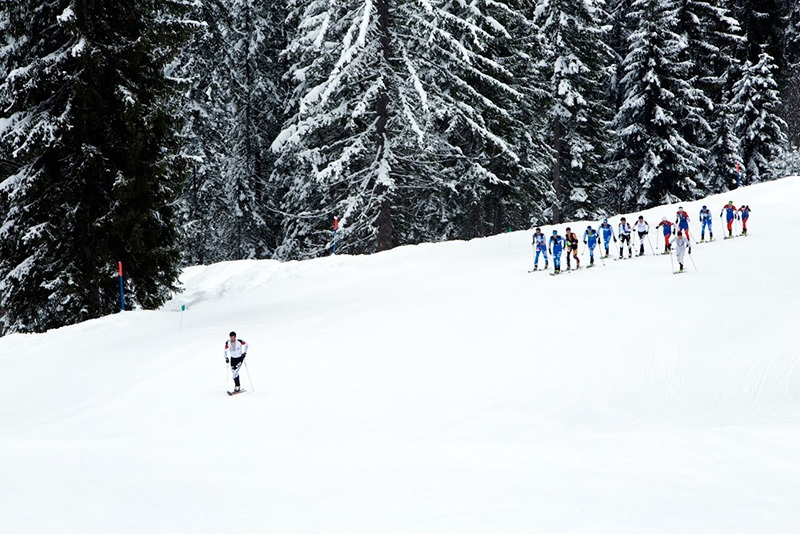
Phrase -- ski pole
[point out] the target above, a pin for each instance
(248, 378)
(652, 250)
(226, 374)
(672, 262)
(692, 260)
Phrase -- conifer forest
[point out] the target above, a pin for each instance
(161, 134)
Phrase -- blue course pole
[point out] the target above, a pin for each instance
(121, 289)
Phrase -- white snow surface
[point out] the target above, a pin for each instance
(438, 388)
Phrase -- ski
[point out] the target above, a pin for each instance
(565, 271)
(232, 393)
(678, 272)
(537, 270)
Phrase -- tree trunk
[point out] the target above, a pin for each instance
(384, 221)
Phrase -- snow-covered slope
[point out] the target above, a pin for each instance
(429, 389)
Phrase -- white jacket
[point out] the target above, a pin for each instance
(680, 244)
(237, 349)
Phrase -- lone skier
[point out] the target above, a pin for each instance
(235, 351)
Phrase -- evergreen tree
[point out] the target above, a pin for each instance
(791, 91)
(761, 131)
(764, 24)
(258, 36)
(235, 108)
(205, 65)
(653, 162)
(620, 28)
(86, 120)
(724, 153)
(576, 64)
(711, 36)
(400, 125)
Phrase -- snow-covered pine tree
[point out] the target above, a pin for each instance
(652, 162)
(724, 154)
(85, 119)
(620, 28)
(764, 25)
(576, 63)
(258, 35)
(530, 196)
(235, 108)
(712, 37)
(205, 65)
(755, 106)
(398, 127)
(791, 91)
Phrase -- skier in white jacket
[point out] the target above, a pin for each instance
(681, 243)
(235, 351)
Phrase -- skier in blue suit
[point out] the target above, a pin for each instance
(557, 245)
(705, 219)
(607, 232)
(590, 240)
(540, 244)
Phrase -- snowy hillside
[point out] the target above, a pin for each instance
(429, 389)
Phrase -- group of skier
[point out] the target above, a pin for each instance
(676, 234)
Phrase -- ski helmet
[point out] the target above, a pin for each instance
(663, 219)
(555, 232)
(589, 227)
(705, 207)
(605, 221)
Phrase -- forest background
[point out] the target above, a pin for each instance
(168, 133)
